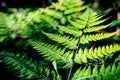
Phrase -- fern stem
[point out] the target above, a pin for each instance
(69, 73)
(78, 45)
(75, 52)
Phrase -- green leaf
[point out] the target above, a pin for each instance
(115, 23)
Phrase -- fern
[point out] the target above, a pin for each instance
(96, 53)
(26, 68)
(80, 30)
(73, 31)
(54, 54)
(110, 72)
(95, 37)
(65, 40)
(88, 19)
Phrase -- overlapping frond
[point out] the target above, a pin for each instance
(68, 6)
(62, 11)
(52, 53)
(82, 33)
(110, 72)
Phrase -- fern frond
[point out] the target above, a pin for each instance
(70, 31)
(73, 6)
(26, 68)
(88, 19)
(51, 53)
(96, 53)
(94, 37)
(109, 73)
(65, 40)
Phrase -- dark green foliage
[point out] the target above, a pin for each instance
(25, 67)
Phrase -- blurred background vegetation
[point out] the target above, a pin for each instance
(111, 8)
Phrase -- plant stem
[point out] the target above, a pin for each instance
(69, 73)
(76, 51)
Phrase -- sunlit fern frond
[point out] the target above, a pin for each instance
(94, 37)
(65, 40)
(96, 53)
(52, 53)
(88, 19)
(96, 28)
(110, 72)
